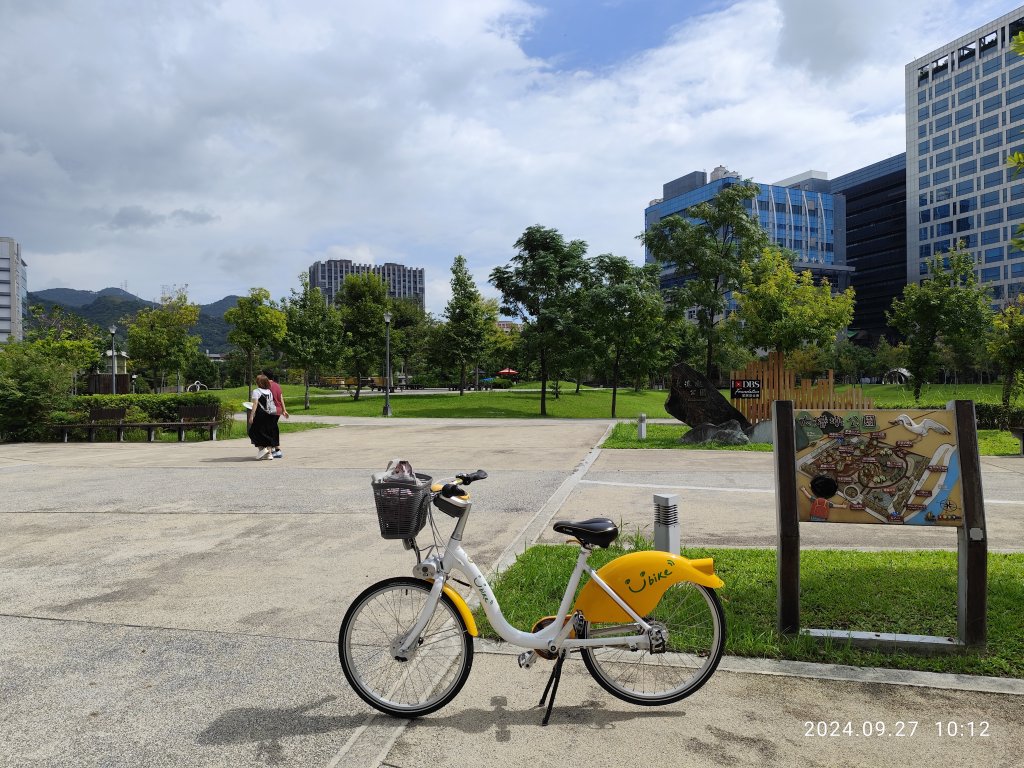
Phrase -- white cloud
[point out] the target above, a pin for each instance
(232, 145)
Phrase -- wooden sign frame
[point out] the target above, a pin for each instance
(972, 543)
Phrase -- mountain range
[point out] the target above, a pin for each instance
(109, 305)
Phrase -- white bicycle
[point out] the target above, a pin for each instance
(649, 625)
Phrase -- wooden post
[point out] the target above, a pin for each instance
(972, 539)
(787, 516)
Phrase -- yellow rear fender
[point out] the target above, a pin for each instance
(641, 579)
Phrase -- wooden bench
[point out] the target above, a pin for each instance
(189, 417)
(99, 418)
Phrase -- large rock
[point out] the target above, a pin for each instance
(727, 433)
(695, 400)
(762, 432)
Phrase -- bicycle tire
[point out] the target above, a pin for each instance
(695, 624)
(429, 679)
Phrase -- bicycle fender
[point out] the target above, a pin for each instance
(640, 579)
(464, 612)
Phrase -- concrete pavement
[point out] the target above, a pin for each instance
(178, 604)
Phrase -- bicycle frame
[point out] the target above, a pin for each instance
(552, 638)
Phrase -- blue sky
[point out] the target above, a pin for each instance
(228, 144)
(596, 34)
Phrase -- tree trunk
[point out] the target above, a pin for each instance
(462, 380)
(359, 385)
(305, 380)
(710, 350)
(543, 383)
(615, 381)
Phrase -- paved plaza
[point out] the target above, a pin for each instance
(178, 604)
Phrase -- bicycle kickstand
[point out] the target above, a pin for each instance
(556, 676)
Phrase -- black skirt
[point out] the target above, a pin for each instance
(263, 432)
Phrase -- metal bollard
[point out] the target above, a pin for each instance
(666, 523)
(641, 427)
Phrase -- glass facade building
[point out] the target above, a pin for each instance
(13, 290)
(799, 214)
(403, 282)
(876, 241)
(965, 115)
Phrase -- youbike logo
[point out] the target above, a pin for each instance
(652, 579)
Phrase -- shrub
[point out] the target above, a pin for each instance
(501, 384)
(33, 384)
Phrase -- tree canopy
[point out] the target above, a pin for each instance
(707, 249)
(313, 339)
(255, 322)
(362, 301)
(468, 319)
(160, 339)
(781, 310)
(948, 305)
(540, 286)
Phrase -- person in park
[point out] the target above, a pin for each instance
(275, 389)
(262, 420)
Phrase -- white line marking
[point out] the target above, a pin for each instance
(1018, 502)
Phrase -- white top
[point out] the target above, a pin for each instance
(256, 395)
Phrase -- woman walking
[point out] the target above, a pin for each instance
(263, 430)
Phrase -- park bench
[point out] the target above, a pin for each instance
(99, 418)
(189, 417)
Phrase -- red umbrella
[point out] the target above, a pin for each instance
(507, 372)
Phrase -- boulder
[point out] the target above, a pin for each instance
(727, 433)
(695, 400)
(761, 432)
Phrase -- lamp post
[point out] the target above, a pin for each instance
(387, 364)
(113, 361)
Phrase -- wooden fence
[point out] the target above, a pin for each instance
(779, 383)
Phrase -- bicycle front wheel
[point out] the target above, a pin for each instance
(429, 675)
(691, 623)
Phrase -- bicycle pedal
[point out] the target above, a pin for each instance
(527, 659)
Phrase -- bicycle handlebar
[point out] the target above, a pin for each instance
(464, 478)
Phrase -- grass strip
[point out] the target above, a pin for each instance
(911, 592)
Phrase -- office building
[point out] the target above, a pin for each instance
(965, 115)
(876, 242)
(13, 291)
(403, 282)
(799, 214)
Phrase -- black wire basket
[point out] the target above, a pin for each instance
(402, 505)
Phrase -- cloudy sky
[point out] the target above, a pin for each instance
(226, 144)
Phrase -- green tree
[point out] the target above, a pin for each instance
(467, 319)
(540, 286)
(314, 339)
(781, 310)
(66, 336)
(626, 310)
(948, 305)
(852, 360)
(887, 357)
(362, 301)
(256, 322)
(34, 380)
(1006, 346)
(159, 338)
(707, 249)
(410, 333)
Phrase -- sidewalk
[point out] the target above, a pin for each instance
(178, 604)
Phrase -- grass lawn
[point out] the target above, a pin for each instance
(510, 404)
(991, 442)
(901, 396)
(911, 592)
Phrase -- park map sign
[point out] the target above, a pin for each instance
(897, 467)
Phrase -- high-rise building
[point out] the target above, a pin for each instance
(403, 282)
(876, 241)
(965, 115)
(13, 290)
(799, 213)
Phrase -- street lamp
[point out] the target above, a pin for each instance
(387, 364)
(113, 361)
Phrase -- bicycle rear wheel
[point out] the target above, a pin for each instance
(434, 670)
(693, 622)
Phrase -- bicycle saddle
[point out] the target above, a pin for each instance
(598, 531)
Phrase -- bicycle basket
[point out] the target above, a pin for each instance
(402, 505)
